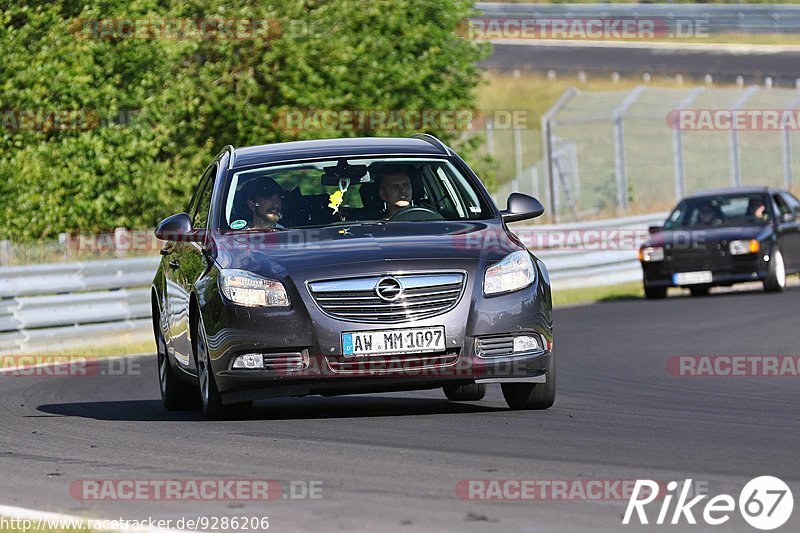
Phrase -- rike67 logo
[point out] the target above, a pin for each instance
(765, 503)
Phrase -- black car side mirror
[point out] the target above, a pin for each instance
(178, 228)
(522, 207)
(654, 229)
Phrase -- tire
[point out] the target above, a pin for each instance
(175, 394)
(465, 393)
(532, 395)
(699, 291)
(776, 274)
(655, 293)
(210, 397)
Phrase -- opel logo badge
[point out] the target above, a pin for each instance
(388, 289)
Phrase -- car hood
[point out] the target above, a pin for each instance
(364, 248)
(700, 236)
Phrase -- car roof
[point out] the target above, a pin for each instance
(731, 190)
(360, 146)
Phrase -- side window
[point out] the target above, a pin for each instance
(783, 208)
(791, 201)
(203, 207)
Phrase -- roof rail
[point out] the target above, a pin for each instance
(231, 150)
(427, 137)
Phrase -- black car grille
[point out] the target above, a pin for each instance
(696, 259)
(420, 296)
(495, 346)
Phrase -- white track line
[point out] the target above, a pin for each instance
(45, 521)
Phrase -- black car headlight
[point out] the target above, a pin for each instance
(649, 254)
(248, 289)
(744, 247)
(514, 272)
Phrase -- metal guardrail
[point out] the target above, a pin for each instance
(66, 305)
(73, 304)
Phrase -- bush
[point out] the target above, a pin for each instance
(151, 113)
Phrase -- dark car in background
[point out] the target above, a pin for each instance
(722, 237)
(348, 266)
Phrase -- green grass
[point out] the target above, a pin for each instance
(131, 346)
(622, 291)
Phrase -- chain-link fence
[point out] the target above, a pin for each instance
(638, 151)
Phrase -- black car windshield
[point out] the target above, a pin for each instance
(347, 191)
(720, 210)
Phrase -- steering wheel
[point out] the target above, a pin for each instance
(415, 214)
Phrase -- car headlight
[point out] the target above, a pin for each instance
(651, 253)
(514, 272)
(245, 288)
(744, 247)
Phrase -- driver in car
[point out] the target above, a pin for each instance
(394, 188)
(264, 200)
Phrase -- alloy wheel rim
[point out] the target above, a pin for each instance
(780, 269)
(162, 365)
(203, 370)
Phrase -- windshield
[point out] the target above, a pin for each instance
(348, 191)
(722, 210)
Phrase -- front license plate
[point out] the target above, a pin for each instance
(390, 341)
(692, 278)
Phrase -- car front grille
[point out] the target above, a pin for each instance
(697, 259)
(390, 298)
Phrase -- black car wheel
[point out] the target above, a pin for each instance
(776, 274)
(210, 397)
(654, 293)
(699, 291)
(465, 393)
(175, 394)
(532, 395)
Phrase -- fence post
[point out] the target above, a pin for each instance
(547, 150)
(677, 143)
(517, 159)
(736, 172)
(620, 175)
(5, 252)
(490, 137)
(786, 135)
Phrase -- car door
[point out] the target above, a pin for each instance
(183, 261)
(789, 206)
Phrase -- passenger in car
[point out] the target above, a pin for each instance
(264, 201)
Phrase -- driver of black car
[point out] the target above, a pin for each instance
(756, 209)
(264, 201)
(394, 188)
(708, 216)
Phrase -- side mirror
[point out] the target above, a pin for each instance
(788, 217)
(654, 229)
(178, 228)
(522, 207)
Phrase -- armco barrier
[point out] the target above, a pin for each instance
(53, 306)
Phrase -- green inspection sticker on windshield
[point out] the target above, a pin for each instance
(238, 224)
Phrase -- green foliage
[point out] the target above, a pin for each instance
(155, 111)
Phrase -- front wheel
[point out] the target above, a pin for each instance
(210, 397)
(532, 395)
(776, 274)
(175, 394)
(654, 293)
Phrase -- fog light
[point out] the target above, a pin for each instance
(249, 360)
(525, 343)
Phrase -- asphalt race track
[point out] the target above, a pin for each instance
(392, 461)
(603, 59)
